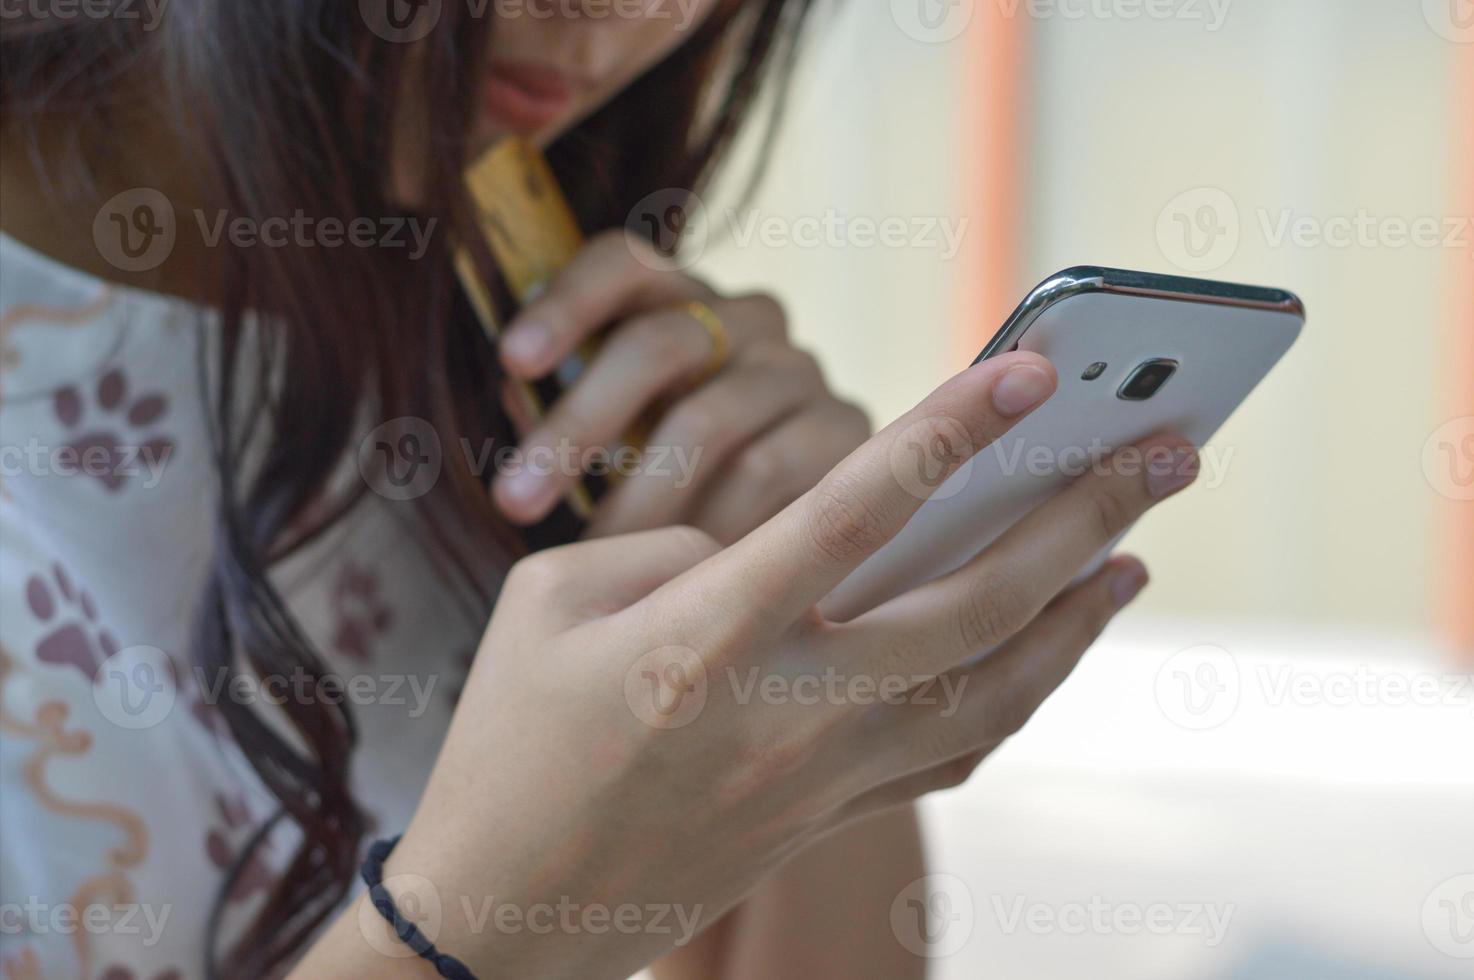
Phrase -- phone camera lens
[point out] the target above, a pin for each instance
(1147, 380)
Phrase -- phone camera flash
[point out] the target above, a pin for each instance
(1094, 371)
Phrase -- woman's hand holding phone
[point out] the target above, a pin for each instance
(609, 694)
(765, 423)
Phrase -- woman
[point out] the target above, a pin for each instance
(222, 652)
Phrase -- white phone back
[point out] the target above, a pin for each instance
(1223, 351)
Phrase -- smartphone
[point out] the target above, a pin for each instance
(1137, 353)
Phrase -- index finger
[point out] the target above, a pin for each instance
(606, 281)
(799, 556)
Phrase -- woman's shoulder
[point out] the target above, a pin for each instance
(59, 323)
(101, 466)
(102, 446)
(111, 778)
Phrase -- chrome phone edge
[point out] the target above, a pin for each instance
(1079, 280)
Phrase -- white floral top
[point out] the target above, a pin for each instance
(122, 799)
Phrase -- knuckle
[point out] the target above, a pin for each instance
(853, 419)
(1085, 614)
(843, 524)
(696, 541)
(799, 361)
(933, 742)
(569, 421)
(652, 341)
(620, 243)
(955, 772)
(1098, 614)
(633, 256)
(1010, 716)
(910, 653)
(637, 254)
(993, 607)
(764, 761)
(945, 439)
(536, 575)
(695, 423)
(1108, 511)
(761, 468)
(768, 311)
(1004, 714)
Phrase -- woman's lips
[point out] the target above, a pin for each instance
(525, 97)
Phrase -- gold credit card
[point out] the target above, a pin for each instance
(532, 233)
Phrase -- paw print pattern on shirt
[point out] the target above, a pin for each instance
(76, 638)
(122, 442)
(359, 609)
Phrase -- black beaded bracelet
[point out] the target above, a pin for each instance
(372, 871)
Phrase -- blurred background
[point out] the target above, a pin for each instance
(1264, 769)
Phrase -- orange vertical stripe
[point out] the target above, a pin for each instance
(995, 144)
(1457, 532)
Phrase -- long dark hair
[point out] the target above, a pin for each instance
(290, 104)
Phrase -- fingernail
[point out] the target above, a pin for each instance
(528, 343)
(1170, 470)
(1128, 583)
(522, 487)
(1021, 389)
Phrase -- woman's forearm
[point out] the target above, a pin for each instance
(825, 913)
(495, 936)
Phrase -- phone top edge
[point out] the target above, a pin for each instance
(1201, 290)
(1081, 279)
